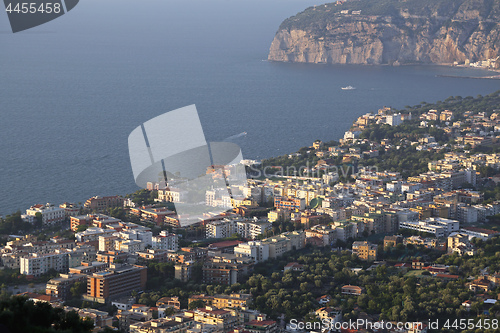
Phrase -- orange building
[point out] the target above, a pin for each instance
(118, 280)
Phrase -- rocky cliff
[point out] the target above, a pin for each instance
(391, 32)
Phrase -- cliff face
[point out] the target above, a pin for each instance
(443, 31)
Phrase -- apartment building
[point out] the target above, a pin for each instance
(221, 319)
(130, 246)
(92, 234)
(99, 204)
(248, 228)
(110, 257)
(460, 243)
(170, 195)
(163, 325)
(50, 213)
(232, 301)
(289, 203)
(365, 250)
(96, 220)
(183, 271)
(226, 269)
(70, 208)
(327, 234)
(374, 223)
(484, 234)
(60, 286)
(155, 215)
(256, 250)
(107, 242)
(166, 241)
(154, 254)
(117, 280)
(38, 264)
(440, 227)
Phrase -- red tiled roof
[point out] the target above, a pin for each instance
(261, 322)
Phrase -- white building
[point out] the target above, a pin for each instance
(50, 213)
(107, 242)
(92, 234)
(350, 135)
(394, 119)
(256, 250)
(143, 235)
(131, 246)
(244, 227)
(171, 195)
(438, 226)
(166, 241)
(38, 264)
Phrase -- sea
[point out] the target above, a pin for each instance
(72, 90)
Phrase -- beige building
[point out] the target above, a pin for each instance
(221, 319)
(365, 250)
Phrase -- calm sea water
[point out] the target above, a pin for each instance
(72, 90)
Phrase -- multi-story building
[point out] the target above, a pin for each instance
(183, 271)
(107, 243)
(289, 203)
(435, 225)
(88, 268)
(155, 215)
(163, 325)
(70, 208)
(82, 253)
(142, 234)
(92, 234)
(38, 264)
(50, 214)
(130, 245)
(253, 229)
(279, 215)
(221, 319)
(96, 220)
(170, 195)
(61, 286)
(117, 280)
(365, 250)
(220, 229)
(166, 241)
(110, 257)
(327, 234)
(392, 241)
(484, 234)
(374, 223)
(226, 269)
(99, 204)
(256, 250)
(231, 301)
(154, 255)
(99, 318)
(285, 242)
(459, 243)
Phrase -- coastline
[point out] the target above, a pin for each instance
(488, 77)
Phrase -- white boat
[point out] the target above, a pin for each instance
(348, 88)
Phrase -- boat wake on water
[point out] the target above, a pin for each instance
(233, 137)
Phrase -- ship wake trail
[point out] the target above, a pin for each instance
(233, 137)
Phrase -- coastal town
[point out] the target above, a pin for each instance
(320, 236)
